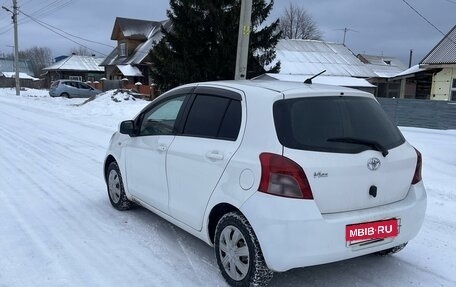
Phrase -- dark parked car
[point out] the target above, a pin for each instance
(72, 89)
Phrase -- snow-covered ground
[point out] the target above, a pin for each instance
(57, 227)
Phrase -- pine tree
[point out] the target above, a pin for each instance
(201, 44)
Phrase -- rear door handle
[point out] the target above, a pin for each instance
(213, 155)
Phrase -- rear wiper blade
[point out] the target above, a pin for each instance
(373, 144)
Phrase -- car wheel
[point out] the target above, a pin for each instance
(392, 250)
(238, 252)
(65, 95)
(115, 187)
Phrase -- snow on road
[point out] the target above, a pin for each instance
(57, 227)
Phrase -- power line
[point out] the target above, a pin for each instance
(41, 12)
(429, 22)
(51, 8)
(422, 16)
(50, 29)
(451, 1)
(69, 34)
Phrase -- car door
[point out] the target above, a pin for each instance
(71, 89)
(85, 90)
(145, 154)
(199, 154)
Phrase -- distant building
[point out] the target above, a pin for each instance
(8, 74)
(434, 77)
(302, 59)
(443, 56)
(7, 65)
(60, 58)
(130, 59)
(384, 68)
(82, 68)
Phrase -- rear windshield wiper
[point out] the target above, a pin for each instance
(373, 144)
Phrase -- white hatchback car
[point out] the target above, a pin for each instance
(275, 175)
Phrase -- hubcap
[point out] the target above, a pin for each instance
(114, 186)
(234, 253)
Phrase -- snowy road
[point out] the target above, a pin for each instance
(57, 227)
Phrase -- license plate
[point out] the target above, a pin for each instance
(372, 230)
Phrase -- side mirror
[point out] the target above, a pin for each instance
(127, 128)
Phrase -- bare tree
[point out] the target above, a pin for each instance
(38, 57)
(297, 23)
(80, 51)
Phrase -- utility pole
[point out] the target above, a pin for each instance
(16, 48)
(243, 40)
(16, 45)
(410, 58)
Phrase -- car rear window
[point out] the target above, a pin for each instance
(325, 124)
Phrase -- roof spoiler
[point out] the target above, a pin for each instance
(309, 80)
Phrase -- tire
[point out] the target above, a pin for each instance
(392, 250)
(116, 192)
(238, 252)
(65, 95)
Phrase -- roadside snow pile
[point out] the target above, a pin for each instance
(106, 109)
(25, 92)
(111, 103)
(119, 96)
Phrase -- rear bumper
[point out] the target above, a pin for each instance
(293, 233)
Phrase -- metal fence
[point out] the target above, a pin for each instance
(421, 113)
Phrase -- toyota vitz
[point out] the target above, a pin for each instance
(275, 175)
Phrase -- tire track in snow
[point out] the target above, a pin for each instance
(23, 151)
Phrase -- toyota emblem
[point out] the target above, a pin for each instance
(373, 164)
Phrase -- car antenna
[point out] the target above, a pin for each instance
(309, 80)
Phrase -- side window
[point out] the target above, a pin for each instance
(70, 84)
(83, 86)
(214, 117)
(231, 124)
(160, 119)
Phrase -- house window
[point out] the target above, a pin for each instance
(453, 90)
(75, 78)
(122, 49)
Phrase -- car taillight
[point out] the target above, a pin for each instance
(283, 177)
(419, 164)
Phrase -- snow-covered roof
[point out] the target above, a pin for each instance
(21, 75)
(383, 66)
(413, 70)
(382, 60)
(310, 57)
(322, 79)
(133, 28)
(129, 71)
(444, 52)
(383, 71)
(7, 65)
(142, 51)
(77, 63)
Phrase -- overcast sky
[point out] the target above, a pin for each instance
(387, 27)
